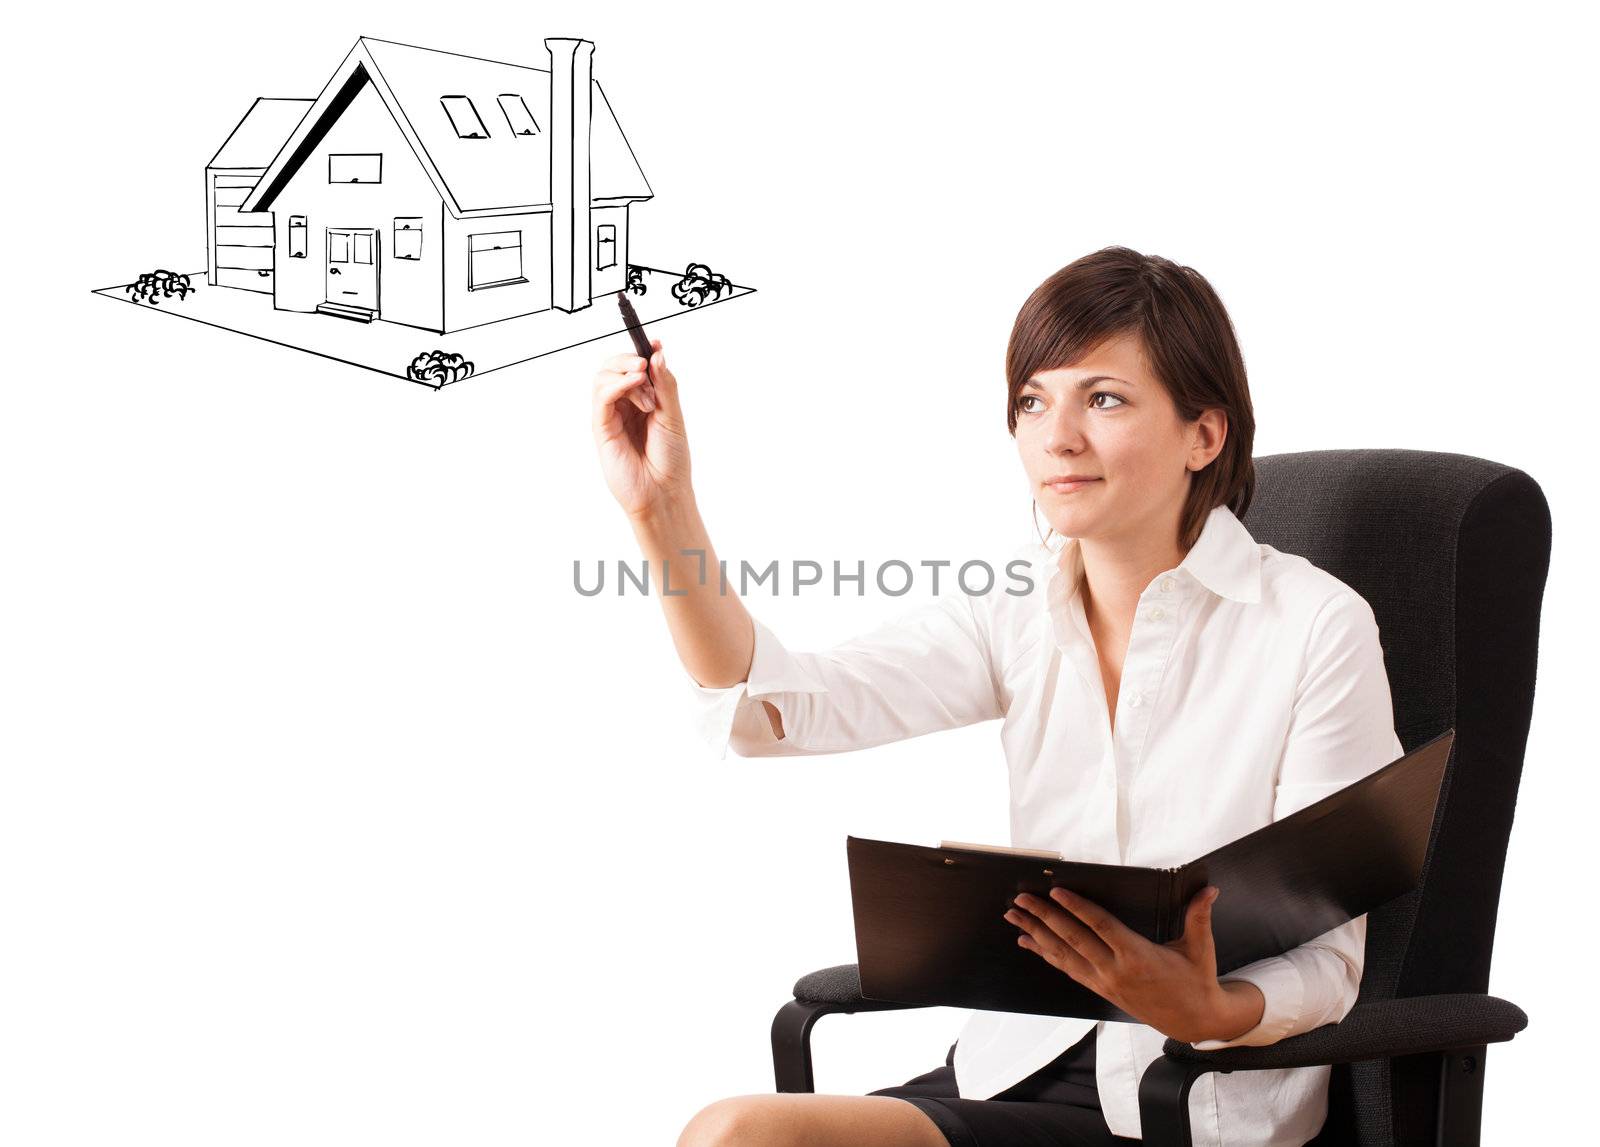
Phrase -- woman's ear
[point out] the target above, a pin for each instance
(1210, 431)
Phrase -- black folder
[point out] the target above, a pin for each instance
(929, 927)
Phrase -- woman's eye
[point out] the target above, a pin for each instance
(1022, 403)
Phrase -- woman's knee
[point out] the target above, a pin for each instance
(745, 1120)
(805, 1119)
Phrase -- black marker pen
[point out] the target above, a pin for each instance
(641, 345)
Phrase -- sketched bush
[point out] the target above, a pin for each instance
(153, 286)
(437, 368)
(636, 280)
(698, 282)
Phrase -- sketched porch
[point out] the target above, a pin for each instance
(391, 348)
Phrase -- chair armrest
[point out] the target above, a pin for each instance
(816, 994)
(840, 988)
(1380, 1030)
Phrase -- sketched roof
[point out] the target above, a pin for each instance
(260, 133)
(473, 176)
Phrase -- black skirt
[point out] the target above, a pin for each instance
(1056, 1106)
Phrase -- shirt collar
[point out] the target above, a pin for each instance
(1225, 559)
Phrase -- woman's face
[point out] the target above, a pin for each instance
(1108, 418)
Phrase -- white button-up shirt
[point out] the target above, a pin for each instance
(1253, 685)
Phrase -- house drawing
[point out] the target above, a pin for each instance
(430, 189)
(466, 213)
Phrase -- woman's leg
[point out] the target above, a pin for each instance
(805, 1119)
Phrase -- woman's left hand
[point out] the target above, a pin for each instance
(1172, 987)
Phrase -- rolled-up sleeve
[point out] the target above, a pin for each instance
(1342, 729)
(925, 670)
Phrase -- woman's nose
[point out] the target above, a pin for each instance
(1063, 432)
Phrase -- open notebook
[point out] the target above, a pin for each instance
(929, 927)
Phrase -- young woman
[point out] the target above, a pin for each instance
(1169, 685)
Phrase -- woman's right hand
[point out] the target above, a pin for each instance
(638, 428)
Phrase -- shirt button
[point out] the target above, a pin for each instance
(1167, 585)
(1134, 700)
(1157, 613)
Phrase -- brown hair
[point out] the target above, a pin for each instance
(1188, 339)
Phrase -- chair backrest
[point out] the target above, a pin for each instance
(1451, 551)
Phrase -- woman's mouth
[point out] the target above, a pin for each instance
(1065, 487)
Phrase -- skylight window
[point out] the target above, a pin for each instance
(464, 117)
(518, 116)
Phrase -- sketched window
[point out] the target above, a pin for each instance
(355, 168)
(363, 242)
(338, 246)
(464, 117)
(605, 246)
(518, 115)
(297, 236)
(494, 259)
(408, 238)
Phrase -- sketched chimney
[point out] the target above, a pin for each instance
(571, 75)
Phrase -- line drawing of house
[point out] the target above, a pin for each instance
(495, 199)
(434, 191)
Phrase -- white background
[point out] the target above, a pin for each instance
(332, 813)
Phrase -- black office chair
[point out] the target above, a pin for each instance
(1452, 553)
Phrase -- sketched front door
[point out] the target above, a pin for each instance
(353, 267)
